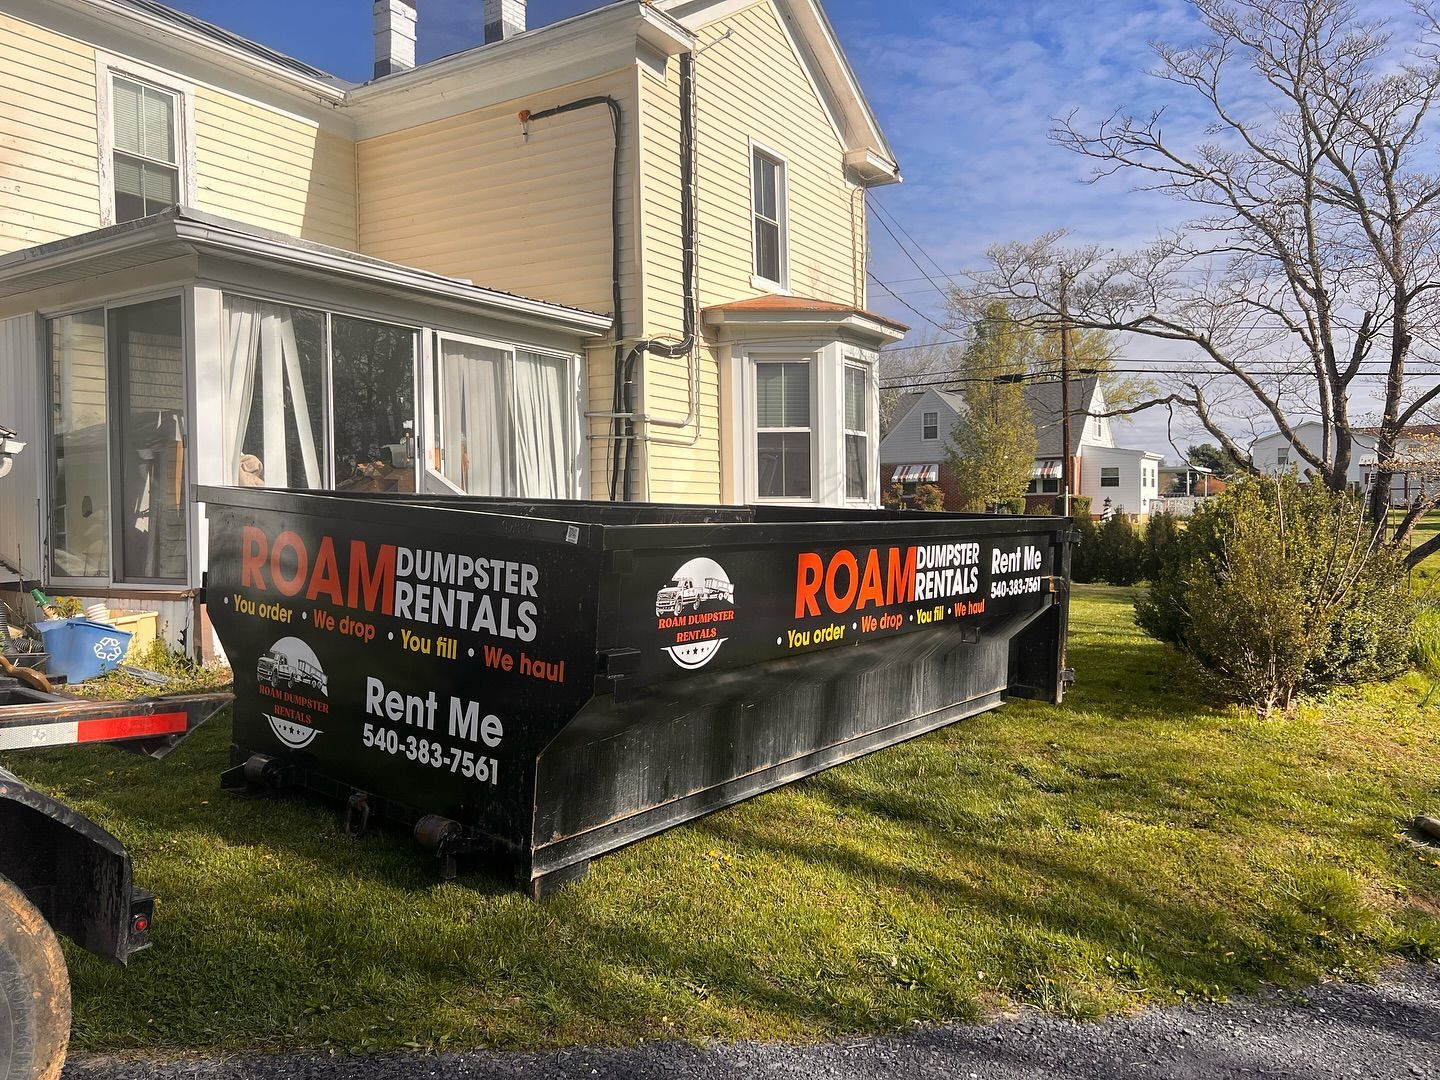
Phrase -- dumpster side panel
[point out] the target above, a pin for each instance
(628, 769)
(733, 604)
(763, 662)
(419, 656)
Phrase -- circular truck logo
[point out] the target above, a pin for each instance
(693, 610)
(295, 689)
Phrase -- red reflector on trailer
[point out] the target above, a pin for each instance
(130, 727)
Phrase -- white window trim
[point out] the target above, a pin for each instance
(575, 454)
(782, 208)
(110, 580)
(872, 470)
(748, 426)
(925, 425)
(108, 66)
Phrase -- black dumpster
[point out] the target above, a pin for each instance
(546, 682)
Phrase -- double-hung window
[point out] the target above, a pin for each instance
(768, 176)
(1110, 476)
(930, 426)
(857, 433)
(145, 128)
(782, 429)
(505, 420)
(118, 434)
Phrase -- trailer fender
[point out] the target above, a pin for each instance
(75, 873)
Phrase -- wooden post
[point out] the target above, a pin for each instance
(1067, 480)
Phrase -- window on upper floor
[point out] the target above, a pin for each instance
(768, 177)
(146, 156)
(1110, 476)
(1282, 458)
(930, 425)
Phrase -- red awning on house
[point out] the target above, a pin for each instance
(916, 474)
(1048, 469)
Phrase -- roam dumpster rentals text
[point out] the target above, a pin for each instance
(421, 606)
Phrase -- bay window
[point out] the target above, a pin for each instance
(118, 435)
(857, 433)
(783, 434)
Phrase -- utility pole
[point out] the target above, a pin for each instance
(1066, 480)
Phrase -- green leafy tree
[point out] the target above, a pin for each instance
(1094, 352)
(992, 448)
(1209, 456)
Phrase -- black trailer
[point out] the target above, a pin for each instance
(546, 682)
(62, 873)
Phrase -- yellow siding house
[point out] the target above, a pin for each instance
(617, 257)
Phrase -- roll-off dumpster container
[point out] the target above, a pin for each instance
(546, 682)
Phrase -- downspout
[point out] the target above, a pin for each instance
(686, 346)
(617, 323)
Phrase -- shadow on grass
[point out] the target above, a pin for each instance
(1129, 840)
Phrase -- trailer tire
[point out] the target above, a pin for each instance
(34, 992)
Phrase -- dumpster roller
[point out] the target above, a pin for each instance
(541, 683)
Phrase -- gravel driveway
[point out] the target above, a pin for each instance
(1391, 1030)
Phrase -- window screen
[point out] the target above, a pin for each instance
(782, 411)
(769, 177)
(930, 424)
(147, 160)
(857, 456)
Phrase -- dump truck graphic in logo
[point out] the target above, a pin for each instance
(292, 682)
(694, 609)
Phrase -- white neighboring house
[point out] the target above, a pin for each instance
(913, 451)
(1275, 454)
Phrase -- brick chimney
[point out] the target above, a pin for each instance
(503, 19)
(394, 36)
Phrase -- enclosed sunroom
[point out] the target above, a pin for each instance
(182, 348)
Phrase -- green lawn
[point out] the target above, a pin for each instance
(1427, 574)
(1131, 847)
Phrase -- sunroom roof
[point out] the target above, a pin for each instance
(182, 231)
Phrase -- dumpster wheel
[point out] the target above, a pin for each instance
(34, 992)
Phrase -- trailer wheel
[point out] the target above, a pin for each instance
(34, 992)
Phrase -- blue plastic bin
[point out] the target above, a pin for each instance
(80, 649)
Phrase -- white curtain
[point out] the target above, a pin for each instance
(473, 415)
(242, 348)
(262, 336)
(542, 428)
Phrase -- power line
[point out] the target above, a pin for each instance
(875, 205)
(881, 218)
(917, 311)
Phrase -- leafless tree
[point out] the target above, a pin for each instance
(910, 368)
(1307, 279)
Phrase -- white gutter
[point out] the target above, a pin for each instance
(332, 263)
(204, 232)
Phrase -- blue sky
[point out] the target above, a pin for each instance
(965, 91)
